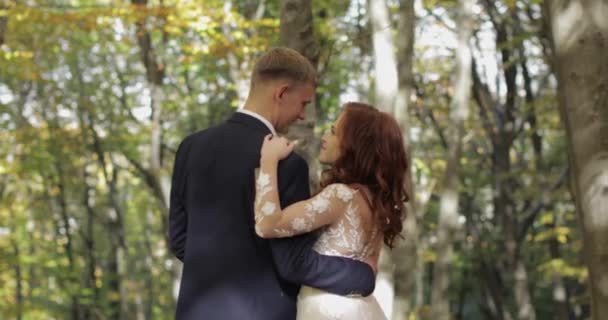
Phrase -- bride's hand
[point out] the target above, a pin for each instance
(276, 148)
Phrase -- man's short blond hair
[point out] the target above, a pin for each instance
(283, 63)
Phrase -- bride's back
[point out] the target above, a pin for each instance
(355, 234)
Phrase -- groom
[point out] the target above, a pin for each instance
(229, 273)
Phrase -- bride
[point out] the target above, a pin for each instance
(360, 204)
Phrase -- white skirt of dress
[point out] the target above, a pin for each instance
(315, 304)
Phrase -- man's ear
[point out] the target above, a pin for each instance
(280, 91)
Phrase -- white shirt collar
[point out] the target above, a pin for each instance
(259, 117)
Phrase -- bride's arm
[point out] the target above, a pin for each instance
(294, 257)
(301, 217)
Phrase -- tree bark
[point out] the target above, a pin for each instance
(385, 65)
(297, 32)
(448, 214)
(502, 132)
(386, 90)
(580, 37)
(405, 254)
(153, 175)
(155, 75)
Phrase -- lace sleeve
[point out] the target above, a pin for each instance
(301, 217)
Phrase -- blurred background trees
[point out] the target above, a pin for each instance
(96, 95)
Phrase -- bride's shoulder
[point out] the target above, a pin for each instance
(340, 191)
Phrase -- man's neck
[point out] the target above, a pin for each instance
(265, 118)
(253, 107)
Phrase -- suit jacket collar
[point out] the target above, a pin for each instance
(249, 121)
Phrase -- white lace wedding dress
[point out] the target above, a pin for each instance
(347, 230)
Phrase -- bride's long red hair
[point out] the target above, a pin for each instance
(372, 153)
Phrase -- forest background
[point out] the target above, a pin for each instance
(503, 105)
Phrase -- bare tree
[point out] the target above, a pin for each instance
(579, 31)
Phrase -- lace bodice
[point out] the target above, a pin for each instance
(349, 236)
(340, 212)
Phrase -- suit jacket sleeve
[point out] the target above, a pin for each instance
(178, 217)
(294, 257)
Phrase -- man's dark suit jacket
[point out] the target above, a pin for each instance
(230, 273)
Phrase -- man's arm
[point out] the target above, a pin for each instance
(178, 217)
(295, 259)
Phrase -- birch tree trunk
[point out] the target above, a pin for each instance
(240, 67)
(405, 254)
(155, 75)
(579, 32)
(158, 182)
(385, 65)
(297, 32)
(385, 91)
(448, 214)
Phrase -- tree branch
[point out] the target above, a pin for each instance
(484, 100)
(540, 204)
(149, 178)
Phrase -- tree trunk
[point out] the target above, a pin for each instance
(237, 70)
(297, 32)
(240, 67)
(522, 292)
(405, 253)
(114, 221)
(18, 281)
(385, 65)
(3, 21)
(580, 37)
(89, 241)
(386, 91)
(560, 292)
(153, 175)
(501, 128)
(448, 214)
(61, 198)
(155, 74)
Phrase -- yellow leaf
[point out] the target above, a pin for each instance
(113, 296)
(54, 191)
(547, 218)
(429, 256)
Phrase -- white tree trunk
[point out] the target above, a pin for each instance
(239, 71)
(385, 65)
(580, 39)
(522, 293)
(386, 90)
(448, 214)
